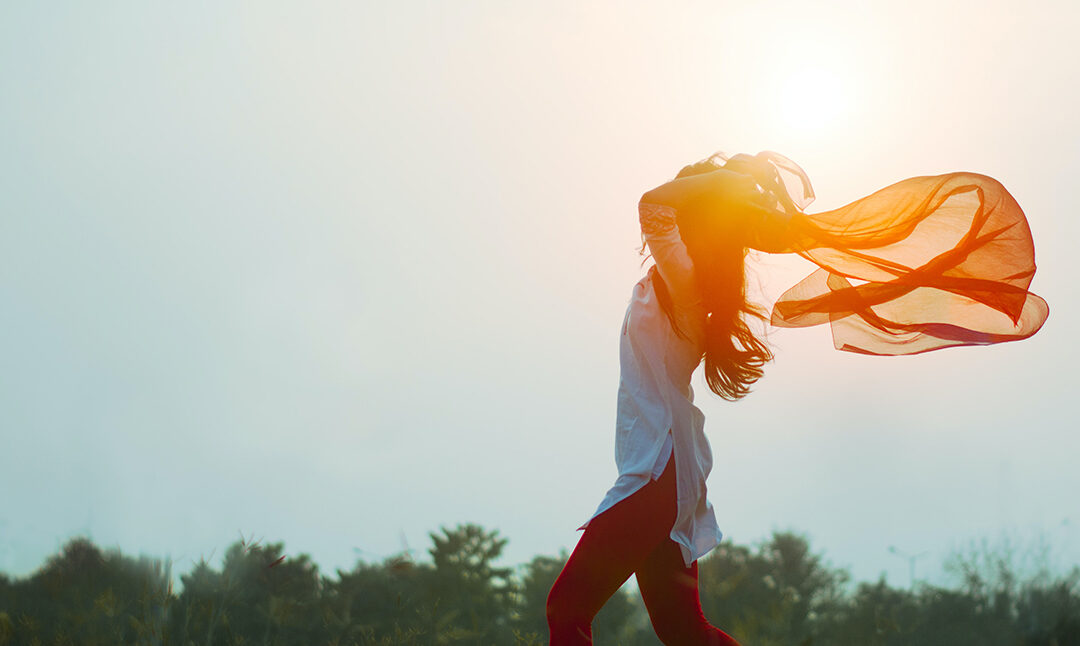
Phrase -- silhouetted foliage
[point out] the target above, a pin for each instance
(539, 575)
(259, 596)
(86, 596)
(777, 593)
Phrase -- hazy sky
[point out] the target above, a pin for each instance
(338, 273)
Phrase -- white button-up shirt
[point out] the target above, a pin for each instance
(656, 414)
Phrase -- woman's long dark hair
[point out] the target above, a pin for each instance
(734, 356)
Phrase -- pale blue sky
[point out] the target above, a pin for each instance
(338, 273)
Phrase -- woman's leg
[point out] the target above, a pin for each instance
(670, 592)
(614, 545)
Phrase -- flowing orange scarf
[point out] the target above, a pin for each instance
(923, 264)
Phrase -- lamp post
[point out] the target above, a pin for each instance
(911, 558)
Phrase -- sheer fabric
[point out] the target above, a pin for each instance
(926, 263)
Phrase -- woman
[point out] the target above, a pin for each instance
(937, 261)
(656, 521)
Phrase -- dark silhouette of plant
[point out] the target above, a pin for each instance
(260, 596)
(87, 596)
(778, 593)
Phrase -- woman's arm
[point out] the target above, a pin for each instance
(661, 233)
(725, 194)
(706, 193)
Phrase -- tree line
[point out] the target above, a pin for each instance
(777, 593)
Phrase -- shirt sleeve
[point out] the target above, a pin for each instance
(661, 232)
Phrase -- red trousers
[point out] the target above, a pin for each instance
(632, 538)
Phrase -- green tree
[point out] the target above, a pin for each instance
(260, 597)
(387, 602)
(777, 595)
(877, 615)
(1048, 611)
(467, 584)
(538, 577)
(90, 597)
